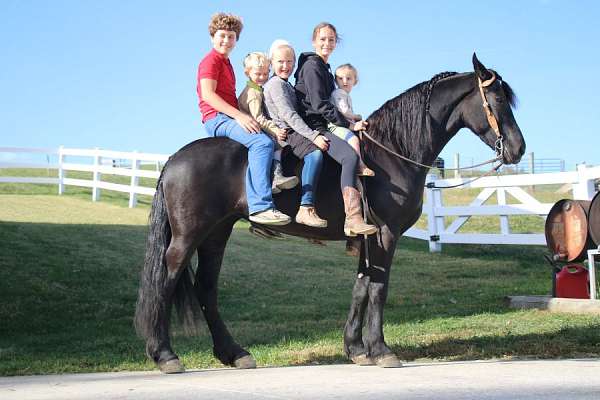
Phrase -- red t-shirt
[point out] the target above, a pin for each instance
(217, 67)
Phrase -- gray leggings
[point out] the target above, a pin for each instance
(345, 155)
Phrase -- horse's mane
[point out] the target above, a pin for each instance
(398, 118)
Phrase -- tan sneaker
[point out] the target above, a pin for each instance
(307, 215)
(270, 217)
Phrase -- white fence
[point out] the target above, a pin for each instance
(582, 182)
(437, 233)
(99, 162)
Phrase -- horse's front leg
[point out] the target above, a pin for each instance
(353, 340)
(369, 297)
(374, 341)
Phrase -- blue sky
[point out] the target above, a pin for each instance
(121, 75)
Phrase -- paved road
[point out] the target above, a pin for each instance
(523, 380)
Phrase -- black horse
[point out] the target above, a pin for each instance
(200, 195)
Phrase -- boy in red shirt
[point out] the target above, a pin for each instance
(221, 117)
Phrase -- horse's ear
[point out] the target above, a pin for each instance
(480, 69)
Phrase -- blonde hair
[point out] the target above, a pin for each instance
(278, 44)
(226, 22)
(255, 59)
(350, 67)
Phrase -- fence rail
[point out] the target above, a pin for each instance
(99, 162)
(582, 183)
(437, 232)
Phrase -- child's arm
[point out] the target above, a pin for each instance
(286, 110)
(209, 94)
(255, 106)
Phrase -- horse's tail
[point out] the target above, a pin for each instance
(151, 303)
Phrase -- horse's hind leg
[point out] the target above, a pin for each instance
(159, 346)
(210, 257)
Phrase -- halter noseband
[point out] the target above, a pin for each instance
(499, 145)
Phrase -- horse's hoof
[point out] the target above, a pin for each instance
(173, 366)
(246, 362)
(362, 360)
(388, 361)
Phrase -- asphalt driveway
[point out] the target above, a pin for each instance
(531, 379)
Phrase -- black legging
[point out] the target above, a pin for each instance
(345, 155)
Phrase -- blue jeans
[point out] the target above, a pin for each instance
(260, 157)
(310, 177)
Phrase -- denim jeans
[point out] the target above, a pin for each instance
(260, 157)
(310, 177)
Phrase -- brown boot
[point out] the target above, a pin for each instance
(307, 215)
(354, 224)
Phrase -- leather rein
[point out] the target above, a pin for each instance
(492, 121)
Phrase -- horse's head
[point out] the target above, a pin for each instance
(489, 114)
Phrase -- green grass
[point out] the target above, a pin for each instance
(109, 196)
(68, 285)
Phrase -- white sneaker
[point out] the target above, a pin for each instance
(275, 189)
(270, 217)
(285, 182)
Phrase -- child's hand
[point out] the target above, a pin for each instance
(322, 142)
(281, 134)
(360, 126)
(248, 123)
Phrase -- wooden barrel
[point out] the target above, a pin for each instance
(594, 219)
(566, 229)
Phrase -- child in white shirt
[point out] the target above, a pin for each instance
(346, 77)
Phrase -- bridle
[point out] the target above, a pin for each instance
(499, 145)
(498, 148)
(492, 121)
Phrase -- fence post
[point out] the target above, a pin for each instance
(531, 163)
(457, 165)
(584, 188)
(504, 226)
(433, 200)
(96, 177)
(135, 166)
(61, 171)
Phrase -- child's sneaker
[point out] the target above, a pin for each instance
(270, 217)
(363, 170)
(282, 182)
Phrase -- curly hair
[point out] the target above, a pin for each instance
(226, 22)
